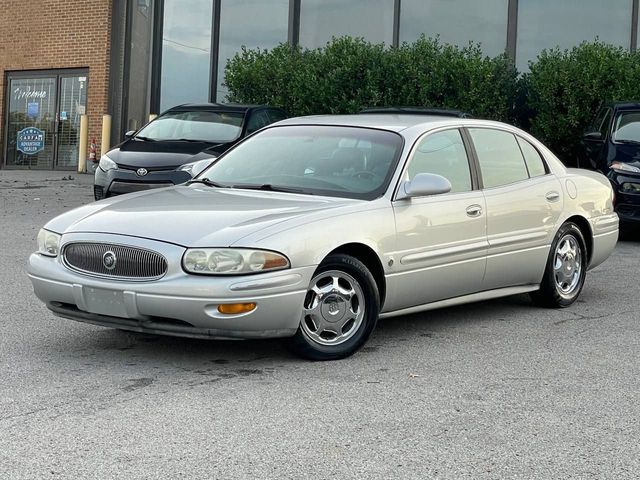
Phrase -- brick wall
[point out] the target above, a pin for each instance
(52, 34)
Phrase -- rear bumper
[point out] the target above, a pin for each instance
(119, 181)
(177, 304)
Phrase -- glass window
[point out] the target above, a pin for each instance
(206, 126)
(186, 52)
(500, 158)
(532, 157)
(322, 19)
(457, 22)
(443, 153)
(252, 24)
(606, 123)
(550, 23)
(323, 160)
(257, 121)
(627, 128)
(139, 64)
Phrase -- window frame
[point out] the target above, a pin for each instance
(468, 146)
(547, 171)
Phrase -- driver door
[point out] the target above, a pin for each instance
(441, 241)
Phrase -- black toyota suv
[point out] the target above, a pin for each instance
(177, 145)
(612, 147)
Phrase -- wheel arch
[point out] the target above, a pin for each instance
(585, 228)
(371, 260)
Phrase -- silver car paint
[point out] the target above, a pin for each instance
(431, 252)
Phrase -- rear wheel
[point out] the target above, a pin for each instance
(340, 310)
(565, 271)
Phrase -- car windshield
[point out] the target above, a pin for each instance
(627, 127)
(199, 125)
(337, 161)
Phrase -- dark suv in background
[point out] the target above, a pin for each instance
(177, 145)
(612, 147)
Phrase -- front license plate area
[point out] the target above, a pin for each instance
(105, 302)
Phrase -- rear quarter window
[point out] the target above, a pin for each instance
(533, 159)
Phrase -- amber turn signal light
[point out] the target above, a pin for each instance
(235, 308)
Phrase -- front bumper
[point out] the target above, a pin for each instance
(178, 304)
(627, 188)
(120, 181)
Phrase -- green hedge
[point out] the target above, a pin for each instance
(555, 100)
(349, 74)
(564, 89)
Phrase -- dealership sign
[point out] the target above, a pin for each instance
(30, 140)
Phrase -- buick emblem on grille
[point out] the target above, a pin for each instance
(109, 260)
(141, 172)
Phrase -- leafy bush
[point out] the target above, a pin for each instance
(556, 100)
(350, 74)
(564, 89)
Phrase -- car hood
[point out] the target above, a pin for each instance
(136, 153)
(193, 216)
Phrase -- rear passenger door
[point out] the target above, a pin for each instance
(524, 204)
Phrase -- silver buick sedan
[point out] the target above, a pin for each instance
(315, 227)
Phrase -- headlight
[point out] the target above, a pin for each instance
(106, 163)
(194, 168)
(48, 243)
(229, 261)
(624, 167)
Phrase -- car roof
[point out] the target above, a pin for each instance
(417, 111)
(227, 107)
(383, 121)
(626, 105)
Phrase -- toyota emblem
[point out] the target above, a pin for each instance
(109, 260)
(141, 172)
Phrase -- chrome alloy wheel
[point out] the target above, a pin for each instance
(567, 265)
(333, 308)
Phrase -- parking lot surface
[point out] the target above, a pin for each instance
(498, 389)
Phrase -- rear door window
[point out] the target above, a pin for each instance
(501, 161)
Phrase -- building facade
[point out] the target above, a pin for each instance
(132, 58)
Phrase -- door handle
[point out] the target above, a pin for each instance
(552, 196)
(474, 210)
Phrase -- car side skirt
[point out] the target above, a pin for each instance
(474, 297)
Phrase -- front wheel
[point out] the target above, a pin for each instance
(565, 271)
(340, 310)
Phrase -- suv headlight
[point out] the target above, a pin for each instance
(194, 168)
(230, 261)
(624, 167)
(48, 243)
(107, 164)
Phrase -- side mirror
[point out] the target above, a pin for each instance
(593, 136)
(129, 134)
(423, 185)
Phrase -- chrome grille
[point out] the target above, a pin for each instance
(131, 263)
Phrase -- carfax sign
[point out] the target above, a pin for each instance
(30, 140)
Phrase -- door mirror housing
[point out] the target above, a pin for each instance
(129, 134)
(593, 136)
(423, 185)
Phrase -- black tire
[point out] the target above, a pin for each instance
(552, 295)
(304, 345)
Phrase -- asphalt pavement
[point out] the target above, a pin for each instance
(494, 390)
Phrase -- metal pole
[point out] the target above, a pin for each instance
(82, 145)
(106, 134)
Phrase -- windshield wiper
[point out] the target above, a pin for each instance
(207, 182)
(270, 188)
(191, 140)
(145, 139)
(629, 142)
